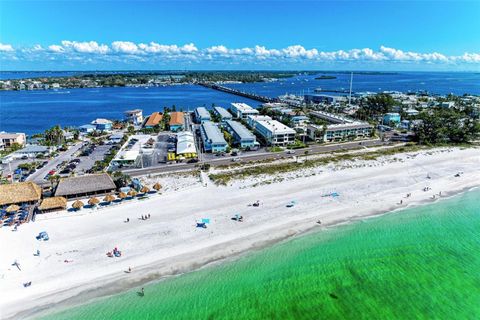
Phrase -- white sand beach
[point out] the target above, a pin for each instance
(73, 266)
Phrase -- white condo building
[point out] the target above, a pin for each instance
(275, 132)
(243, 110)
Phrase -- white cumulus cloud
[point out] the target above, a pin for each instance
(128, 52)
(85, 47)
(125, 47)
(56, 48)
(6, 47)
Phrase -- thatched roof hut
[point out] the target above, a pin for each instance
(12, 208)
(20, 192)
(93, 201)
(83, 186)
(77, 204)
(53, 204)
(132, 193)
(145, 189)
(157, 186)
(122, 195)
(109, 198)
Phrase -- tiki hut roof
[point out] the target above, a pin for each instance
(157, 186)
(77, 204)
(53, 203)
(19, 192)
(122, 195)
(132, 193)
(145, 189)
(109, 198)
(93, 201)
(12, 208)
(84, 184)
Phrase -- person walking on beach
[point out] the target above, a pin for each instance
(149, 216)
(143, 292)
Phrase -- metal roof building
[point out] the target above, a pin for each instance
(186, 144)
(212, 137)
(242, 135)
(223, 113)
(202, 114)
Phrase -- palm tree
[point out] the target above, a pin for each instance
(54, 180)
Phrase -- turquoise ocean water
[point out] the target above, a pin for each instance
(419, 263)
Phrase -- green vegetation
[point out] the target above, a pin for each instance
(215, 117)
(241, 76)
(446, 125)
(224, 177)
(275, 149)
(53, 136)
(297, 145)
(228, 137)
(14, 147)
(93, 80)
(28, 166)
(120, 179)
(375, 106)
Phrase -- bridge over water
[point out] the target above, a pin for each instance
(252, 96)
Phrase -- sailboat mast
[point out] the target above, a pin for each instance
(350, 95)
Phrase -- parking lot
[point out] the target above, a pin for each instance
(88, 159)
(165, 143)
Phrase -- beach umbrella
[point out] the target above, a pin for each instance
(122, 195)
(157, 186)
(93, 201)
(77, 205)
(132, 193)
(145, 189)
(109, 198)
(12, 208)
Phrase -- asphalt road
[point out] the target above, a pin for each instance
(313, 149)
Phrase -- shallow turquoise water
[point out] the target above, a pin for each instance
(420, 263)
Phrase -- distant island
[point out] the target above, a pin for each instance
(366, 73)
(324, 77)
(139, 79)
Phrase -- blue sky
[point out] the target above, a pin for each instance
(229, 34)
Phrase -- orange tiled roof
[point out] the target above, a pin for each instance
(176, 118)
(154, 119)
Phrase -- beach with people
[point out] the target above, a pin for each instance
(192, 224)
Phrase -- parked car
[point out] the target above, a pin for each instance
(291, 151)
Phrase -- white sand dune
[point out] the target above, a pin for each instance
(169, 243)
